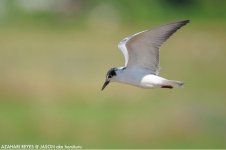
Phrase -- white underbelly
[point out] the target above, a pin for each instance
(146, 81)
(151, 81)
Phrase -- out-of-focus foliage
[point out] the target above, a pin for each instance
(77, 11)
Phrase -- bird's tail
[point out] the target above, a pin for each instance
(171, 84)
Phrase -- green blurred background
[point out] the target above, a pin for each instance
(54, 55)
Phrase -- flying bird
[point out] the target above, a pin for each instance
(141, 53)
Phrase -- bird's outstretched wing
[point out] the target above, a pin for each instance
(141, 50)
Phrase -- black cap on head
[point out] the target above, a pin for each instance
(110, 74)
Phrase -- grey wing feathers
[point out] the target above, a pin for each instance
(143, 47)
(123, 48)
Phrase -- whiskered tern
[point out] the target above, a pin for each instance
(141, 53)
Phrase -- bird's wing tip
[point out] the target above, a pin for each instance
(185, 21)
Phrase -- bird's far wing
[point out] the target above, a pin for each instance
(141, 50)
(122, 46)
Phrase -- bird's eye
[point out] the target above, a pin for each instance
(109, 76)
